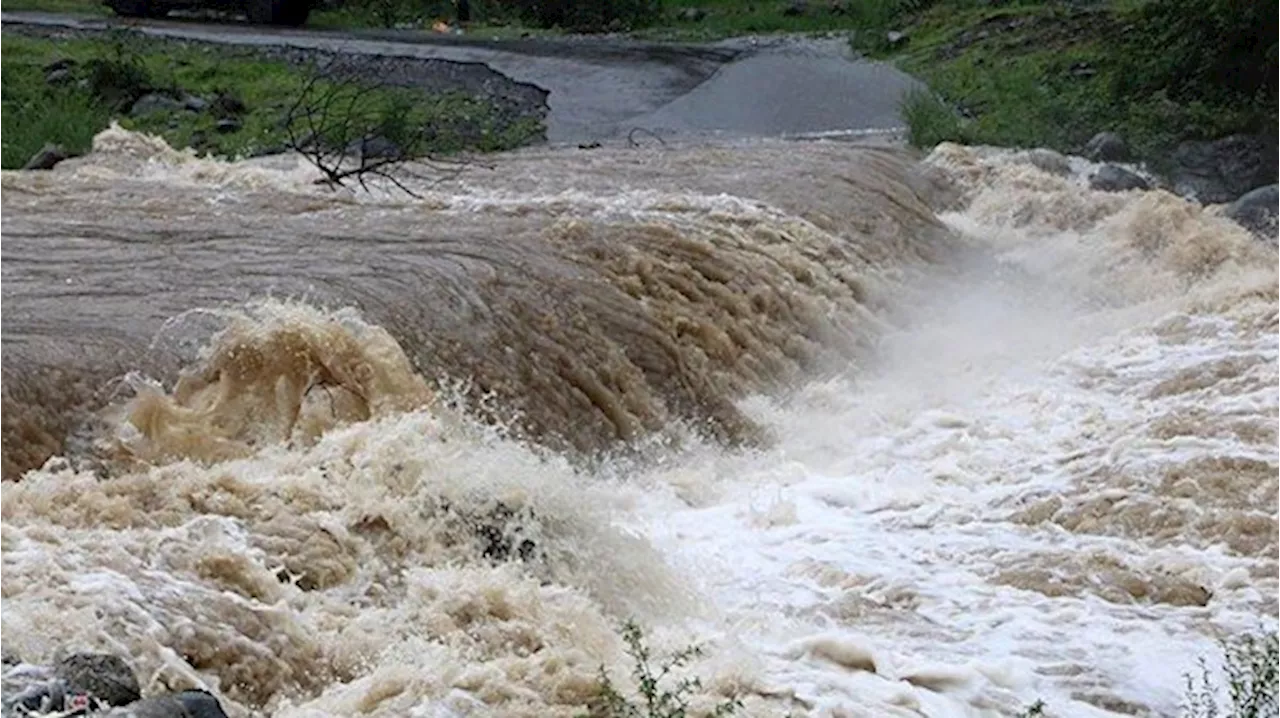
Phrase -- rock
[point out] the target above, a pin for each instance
(375, 148)
(101, 675)
(48, 156)
(1048, 161)
(796, 8)
(1111, 178)
(839, 7)
(65, 63)
(60, 76)
(1106, 147)
(187, 704)
(227, 105)
(691, 14)
(227, 125)
(895, 38)
(1257, 211)
(195, 103)
(153, 102)
(1223, 170)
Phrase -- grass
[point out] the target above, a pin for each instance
(1028, 74)
(67, 7)
(70, 114)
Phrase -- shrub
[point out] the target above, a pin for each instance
(1250, 668)
(653, 701)
(929, 120)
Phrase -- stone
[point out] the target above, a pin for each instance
(187, 704)
(796, 8)
(1257, 211)
(375, 148)
(101, 675)
(154, 102)
(691, 14)
(1222, 170)
(1111, 178)
(1106, 147)
(65, 63)
(895, 38)
(60, 76)
(195, 103)
(227, 125)
(48, 156)
(1048, 161)
(227, 105)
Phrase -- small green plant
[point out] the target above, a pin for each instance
(653, 701)
(1250, 666)
(1035, 710)
(929, 120)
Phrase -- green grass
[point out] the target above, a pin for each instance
(1046, 74)
(68, 7)
(35, 113)
(1250, 669)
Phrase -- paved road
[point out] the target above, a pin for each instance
(602, 88)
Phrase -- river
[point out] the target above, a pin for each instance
(884, 436)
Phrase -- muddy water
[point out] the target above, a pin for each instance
(360, 453)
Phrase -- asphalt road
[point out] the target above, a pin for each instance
(604, 88)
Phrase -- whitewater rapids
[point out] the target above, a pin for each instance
(887, 437)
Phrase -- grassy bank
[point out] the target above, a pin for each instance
(1053, 74)
(221, 101)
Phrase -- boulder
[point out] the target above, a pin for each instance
(1111, 178)
(101, 675)
(1106, 147)
(153, 102)
(375, 148)
(796, 8)
(1223, 170)
(187, 704)
(48, 157)
(1048, 161)
(227, 125)
(895, 38)
(1257, 211)
(195, 103)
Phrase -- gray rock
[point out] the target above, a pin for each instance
(187, 704)
(1257, 211)
(691, 14)
(48, 156)
(195, 103)
(375, 148)
(1048, 161)
(102, 675)
(1111, 178)
(227, 125)
(60, 76)
(1223, 170)
(65, 63)
(796, 8)
(153, 102)
(895, 38)
(1107, 147)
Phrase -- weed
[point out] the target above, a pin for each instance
(1250, 666)
(653, 700)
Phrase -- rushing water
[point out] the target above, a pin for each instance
(340, 453)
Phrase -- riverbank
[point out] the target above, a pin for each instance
(63, 87)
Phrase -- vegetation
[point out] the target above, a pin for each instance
(1250, 667)
(1053, 74)
(653, 700)
(218, 101)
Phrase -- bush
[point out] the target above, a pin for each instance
(1250, 664)
(1208, 50)
(929, 120)
(654, 701)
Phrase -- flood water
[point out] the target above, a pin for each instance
(886, 437)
